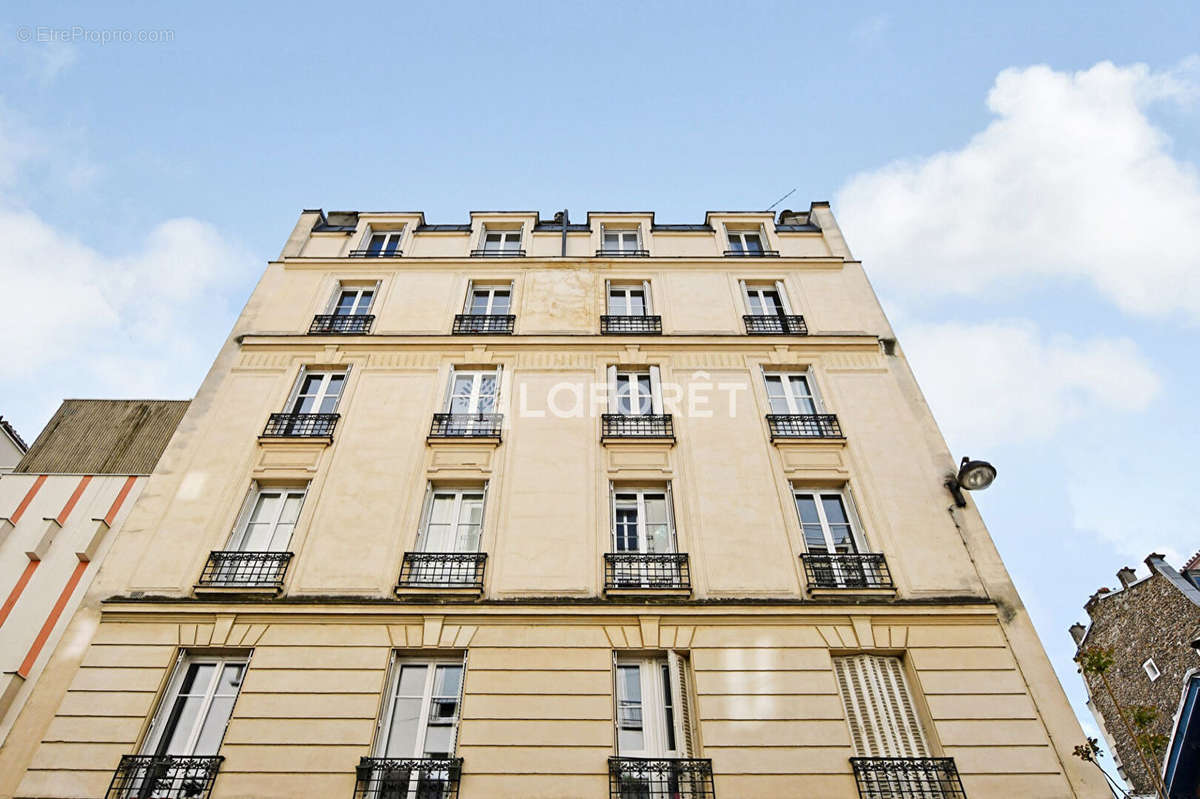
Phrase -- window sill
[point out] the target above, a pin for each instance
(438, 590)
(647, 592)
(826, 593)
(809, 441)
(663, 441)
(237, 590)
(459, 440)
(324, 441)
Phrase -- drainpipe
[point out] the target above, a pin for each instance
(564, 232)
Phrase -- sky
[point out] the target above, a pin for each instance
(1020, 181)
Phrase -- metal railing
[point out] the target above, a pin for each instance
(622, 253)
(645, 570)
(301, 425)
(486, 324)
(846, 570)
(232, 569)
(804, 425)
(342, 324)
(443, 570)
(611, 324)
(669, 778)
(382, 253)
(163, 777)
(752, 253)
(907, 778)
(618, 425)
(466, 425)
(408, 778)
(775, 325)
(497, 253)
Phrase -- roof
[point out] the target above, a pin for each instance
(13, 434)
(1194, 563)
(104, 437)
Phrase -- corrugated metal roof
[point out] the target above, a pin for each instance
(104, 437)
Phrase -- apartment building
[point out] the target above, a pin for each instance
(528, 507)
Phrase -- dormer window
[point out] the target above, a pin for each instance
(379, 244)
(749, 242)
(502, 242)
(620, 242)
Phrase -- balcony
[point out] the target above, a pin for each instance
(775, 325)
(675, 778)
(466, 324)
(645, 572)
(622, 253)
(163, 777)
(376, 253)
(611, 325)
(907, 778)
(341, 324)
(466, 425)
(251, 570)
(847, 570)
(443, 570)
(414, 778)
(485, 253)
(301, 425)
(751, 253)
(804, 425)
(618, 425)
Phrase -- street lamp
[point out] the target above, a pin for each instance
(973, 476)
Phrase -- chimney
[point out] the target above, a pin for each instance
(1077, 632)
(790, 217)
(1126, 576)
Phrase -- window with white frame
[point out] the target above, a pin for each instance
(629, 299)
(473, 391)
(828, 521)
(1151, 670)
(879, 707)
(791, 393)
(420, 714)
(620, 240)
(634, 392)
(745, 241)
(653, 708)
(381, 243)
(642, 520)
(765, 299)
(453, 520)
(489, 300)
(268, 519)
(195, 709)
(498, 241)
(352, 300)
(317, 391)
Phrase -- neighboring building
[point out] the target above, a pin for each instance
(72, 487)
(391, 550)
(1152, 627)
(12, 447)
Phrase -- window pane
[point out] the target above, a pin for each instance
(629, 709)
(735, 242)
(480, 302)
(376, 243)
(637, 302)
(611, 241)
(447, 681)
(644, 402)
(393, 243)
(656, 508)
(213, 729)
(412, 680)
(180, 723)
(364, 301)
(835, 512)
(402, 735)
(443, 508)
(627, 539)
(658, 538)
(808, 509)
(346, 303)
(501, 302)
(668, 707)
(753, 243)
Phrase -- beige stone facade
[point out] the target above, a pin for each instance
(543, 631)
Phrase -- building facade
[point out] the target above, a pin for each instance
(531, 508)
(1151, 627)
(76, 483)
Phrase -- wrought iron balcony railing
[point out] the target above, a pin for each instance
(245, 569)
(775, 325)
(753, 253)
(443, 570)
(907, 778)
(410, 778)
(497, 253)
(804, 425)
(301, 425)
(342, 324)
(647, 571)
(377, 253)
(466, 324)
(163, 777)
(617, 425)
(674, 778)
(466, 425)
(612, 325)
(846, 570)
(622, 253)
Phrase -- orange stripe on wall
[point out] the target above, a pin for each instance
(15, 593)
(51, 620)
(20, 511)
(119, 501)
(66, 511)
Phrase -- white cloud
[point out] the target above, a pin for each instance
(1072, 180)
(1005, 382)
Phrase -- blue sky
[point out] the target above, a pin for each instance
(1020, 180)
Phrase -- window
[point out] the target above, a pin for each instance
(196, 707)
(489, 300)
(453, 521)
(473, 391)
(620, 241)
(353, 300)
(642, 520)
(420, 717)
(828, 521)
(879, 707)
(653, 710)
(382, 244)
(501, 241)
(268, 520)
(745, 241)
(634, 392)
(1151, 670)
(629, 299)
(766, 299)
(790, 393)
(317, 392)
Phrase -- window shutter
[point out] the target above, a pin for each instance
(374, 296)
(470, 292)
(745, 296)
(879, 708)
(783, 299)
(449, 390)
(681, 698)
(385, 709)
(612, 389)
(649, 302)
(656, 403)
(423, 523)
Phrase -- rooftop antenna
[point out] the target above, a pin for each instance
(781, 199)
